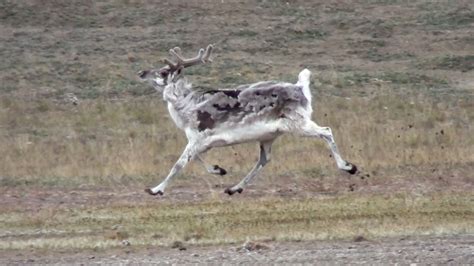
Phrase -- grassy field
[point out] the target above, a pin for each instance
(222, 222)
(393, 79)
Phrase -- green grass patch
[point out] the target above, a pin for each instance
(245, 33)
(448, 19)
(451, 62)
(395, 79)
(307, 33)
(224, 221)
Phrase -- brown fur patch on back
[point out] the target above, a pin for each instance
(205, 121)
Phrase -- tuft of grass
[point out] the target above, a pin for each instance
(245, 33)
(377, 29)
(307, 33)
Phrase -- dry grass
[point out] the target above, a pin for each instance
(99, 142)
(218, 222)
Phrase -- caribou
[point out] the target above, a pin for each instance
(258, 112)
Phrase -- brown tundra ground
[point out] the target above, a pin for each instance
(393, 79)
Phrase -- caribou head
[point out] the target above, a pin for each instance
(172, 71)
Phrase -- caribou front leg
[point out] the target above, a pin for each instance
(189, 153)
(265, 151)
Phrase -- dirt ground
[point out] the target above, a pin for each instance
(207, 187)
(453, 250)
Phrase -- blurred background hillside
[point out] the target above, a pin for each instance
(394, 80)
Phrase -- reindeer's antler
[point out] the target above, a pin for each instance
(202, 57)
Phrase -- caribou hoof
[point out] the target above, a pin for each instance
(230, 191)
(149, 191)
(353, 169)
(219, 170)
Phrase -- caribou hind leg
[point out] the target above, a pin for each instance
(212, 169)
(265, 151)
(311, 129)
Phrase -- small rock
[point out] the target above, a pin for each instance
(179, 245)
(156, 236)
(115, 227)
(131, 58)
(252, 246)
(359, 239)
(352, 187)
(71, 98)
